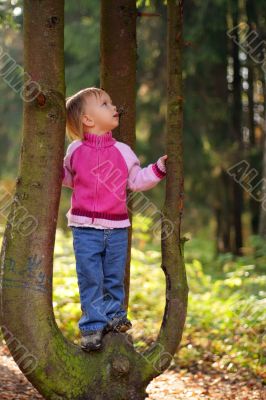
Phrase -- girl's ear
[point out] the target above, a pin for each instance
(86, 120)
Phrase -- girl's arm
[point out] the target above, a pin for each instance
(67, 177)
(141, 179)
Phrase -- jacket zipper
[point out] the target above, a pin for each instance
(93, 216)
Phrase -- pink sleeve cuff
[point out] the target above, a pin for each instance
(159, 169)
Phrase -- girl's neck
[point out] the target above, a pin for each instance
(99, 133)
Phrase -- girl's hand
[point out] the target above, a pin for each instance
(163, 159)
(161, 163)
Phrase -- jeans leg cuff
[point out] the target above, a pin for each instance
(84, 332)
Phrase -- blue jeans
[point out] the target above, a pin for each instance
(101, 256)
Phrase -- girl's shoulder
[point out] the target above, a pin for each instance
(126, 151)
(73, 146)
(70, 151)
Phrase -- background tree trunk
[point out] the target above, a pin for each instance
(262, 220)
(223, 214)
(218, 91)
(118, 78)
(236, 117)
(260, 28)
(253, 153)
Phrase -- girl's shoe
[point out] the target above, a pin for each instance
(118, 324)
(92, 340)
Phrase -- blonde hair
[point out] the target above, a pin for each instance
(74, 109)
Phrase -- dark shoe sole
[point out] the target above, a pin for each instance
(88, 349)
(122, 328)
(92, 341)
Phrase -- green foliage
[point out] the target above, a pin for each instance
(82, 41)
(225, 324)
(149, 3)
(8, 14)
(226, 313)
(145, 3)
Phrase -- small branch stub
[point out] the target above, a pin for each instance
(120, 365)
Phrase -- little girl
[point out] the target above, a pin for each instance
(99, 169)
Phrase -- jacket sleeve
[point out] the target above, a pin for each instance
(67, 179)
(141, 179)
(67, 176)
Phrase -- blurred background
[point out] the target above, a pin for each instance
(223, 134)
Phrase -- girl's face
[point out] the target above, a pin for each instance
(99, 114)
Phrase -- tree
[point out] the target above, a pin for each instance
(254, 155)
(62, 370)
(236, 120)
(118, 77)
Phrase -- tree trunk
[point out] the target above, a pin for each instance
(55, 366)
(222, 213)
(251, 19)
(172, 245)
(262, 220)
(118, 78)
(251, 103)
(236, 113)
(217, 89)
(254, 205)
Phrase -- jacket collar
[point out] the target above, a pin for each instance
(104, 140)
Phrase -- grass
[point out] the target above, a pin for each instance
(225, 324)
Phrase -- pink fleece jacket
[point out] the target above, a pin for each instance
(99, 169)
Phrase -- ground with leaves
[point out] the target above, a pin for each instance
(196, 383)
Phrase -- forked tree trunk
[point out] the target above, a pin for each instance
(55, 366)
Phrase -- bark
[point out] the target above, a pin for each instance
(253, 149)
(262, 218)
(254, 205)
(172, 244)
(236, 114)
(222, 213)
(260, 28)
(251, 103)
(221, 187)
(251, 18)
(118, 78)
(58, 368)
